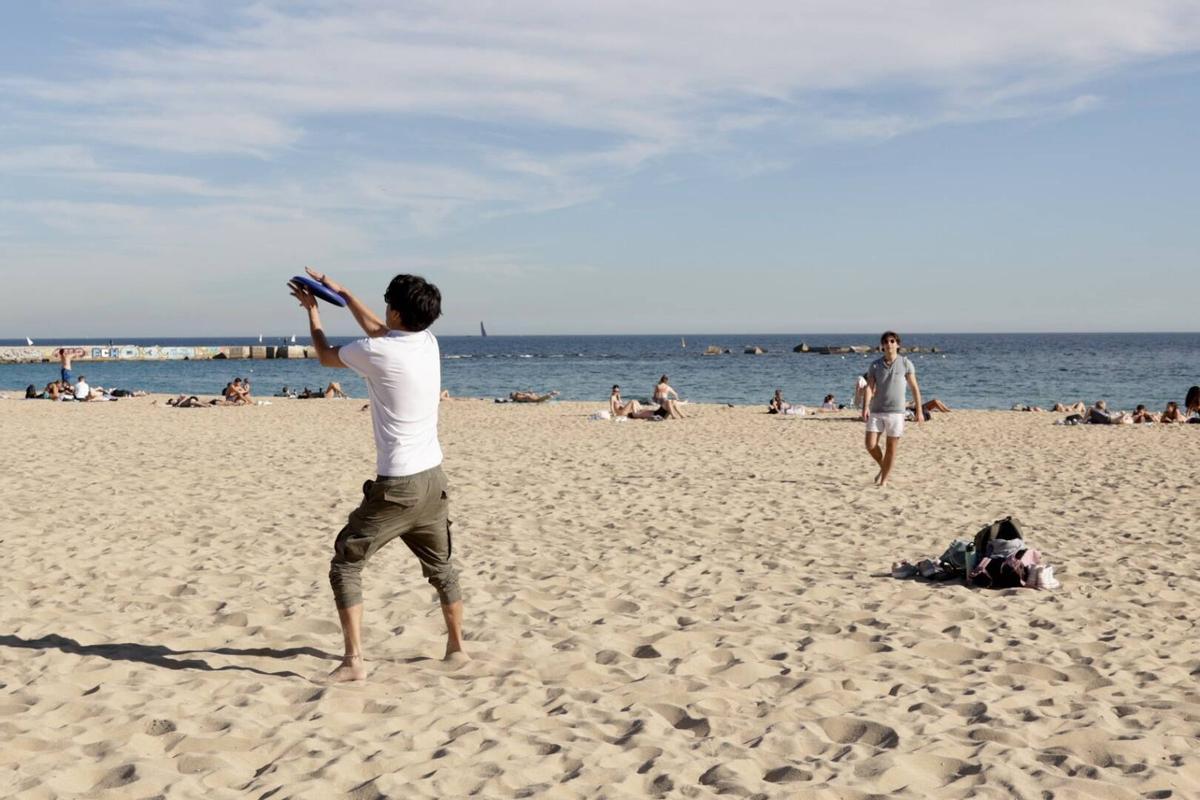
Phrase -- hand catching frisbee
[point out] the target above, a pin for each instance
(318, 285)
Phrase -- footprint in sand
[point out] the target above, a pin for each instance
(787, 775)
(847, 730)
(159, 727)
(622, 606)
(679, 719)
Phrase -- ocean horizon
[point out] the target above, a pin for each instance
(985, 371)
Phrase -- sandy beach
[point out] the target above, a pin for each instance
(681, 609)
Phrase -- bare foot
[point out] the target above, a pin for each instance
(351, 669)
(455, 655)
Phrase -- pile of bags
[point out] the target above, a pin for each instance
(997, 558)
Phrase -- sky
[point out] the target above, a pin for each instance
(607, 168)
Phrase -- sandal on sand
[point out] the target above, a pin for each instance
(903, 569)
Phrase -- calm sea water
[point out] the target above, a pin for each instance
(972, 371)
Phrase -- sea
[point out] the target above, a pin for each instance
(980, 371)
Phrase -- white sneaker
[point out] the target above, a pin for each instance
(1048, 581)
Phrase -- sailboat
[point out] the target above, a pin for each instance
(293, 338)
(482, 330)
(28, 341)
(683, 343)
(260, 338)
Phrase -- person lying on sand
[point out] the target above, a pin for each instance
(1172, 413)
(1100, 415)
(186, 402)
(1019, 407)
(1074, 408)
(929, 407)
(531, 397)
(1141, 415)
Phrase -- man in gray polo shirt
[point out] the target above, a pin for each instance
(883, 405)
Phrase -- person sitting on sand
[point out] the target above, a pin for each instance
(667, 399)
(1074, 408)
(235, 394)
(531, 397)
(929, 407)
(334, 389)
(285, 392)
(1191, 404)
(829, 403)
(619, 408)
(778, 405)
(1172, 413)
(82, 391)
(1141, 415)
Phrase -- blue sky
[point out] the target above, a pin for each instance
(602, 167)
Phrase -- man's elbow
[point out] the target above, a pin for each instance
(329, 358)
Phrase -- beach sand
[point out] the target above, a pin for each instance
(677, 609)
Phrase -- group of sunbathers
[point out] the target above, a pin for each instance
(665, 403)
(334, 389)
(69, 387)
(778, 405)
(1101, 414)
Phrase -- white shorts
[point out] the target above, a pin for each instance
(890, 424)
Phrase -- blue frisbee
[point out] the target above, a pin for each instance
(319, 290)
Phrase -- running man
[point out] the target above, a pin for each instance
(883, 403)
(401, 364)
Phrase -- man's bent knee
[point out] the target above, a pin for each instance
(345, 578)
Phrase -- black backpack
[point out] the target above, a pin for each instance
(1007, 528)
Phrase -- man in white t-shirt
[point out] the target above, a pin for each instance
(883, 403)
(82, 390)
(408, 499)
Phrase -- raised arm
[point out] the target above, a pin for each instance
(327, 355)
(367, 319)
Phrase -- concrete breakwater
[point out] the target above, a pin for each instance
(41, 354)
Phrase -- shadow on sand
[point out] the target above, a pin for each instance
(160, 656)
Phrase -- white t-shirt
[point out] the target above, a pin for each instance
(403, 372)
(82, 391)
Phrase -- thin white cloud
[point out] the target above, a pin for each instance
(583, 92)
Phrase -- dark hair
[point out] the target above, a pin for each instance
(828, 397)
(1140, 407)
(1193, 398)
(663, 379)
(616, 386)
(416, 300)
(889, 335)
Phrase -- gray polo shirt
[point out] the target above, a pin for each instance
(889, 385)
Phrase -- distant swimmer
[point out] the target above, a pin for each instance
(408, 499)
